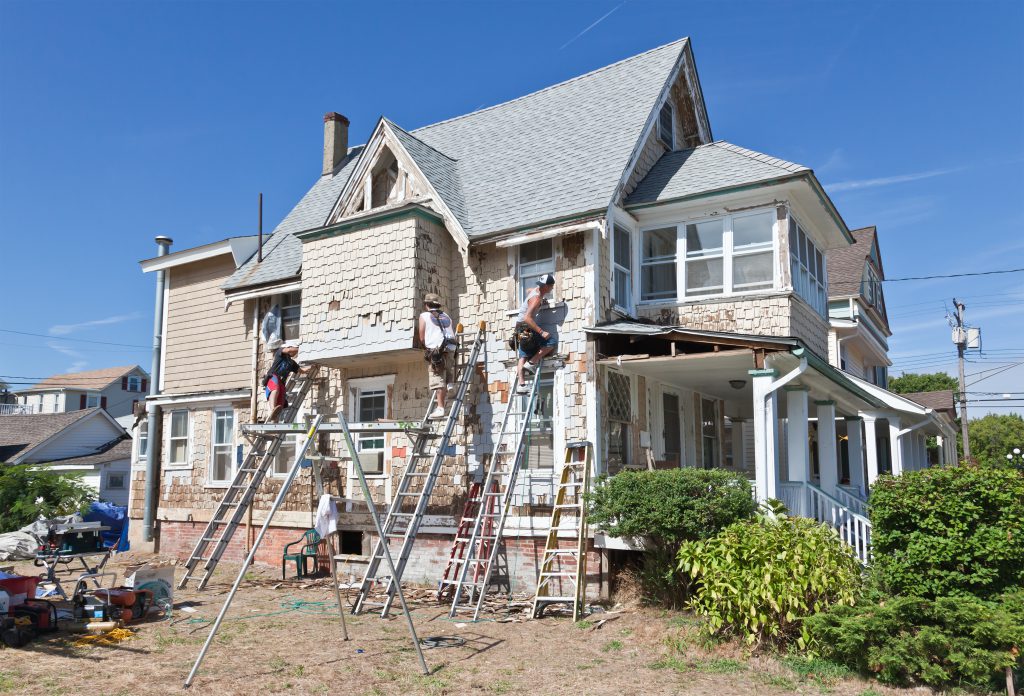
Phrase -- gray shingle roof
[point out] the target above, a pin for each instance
(550, 154)
(21, 433)
(846, 265)
(941, 400)
(712, 167)
(113, 451)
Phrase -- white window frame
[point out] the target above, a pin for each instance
(535, 268)
(643, 264)
(727, 254)
(287, 438)
(124, 481)
(625, 304)
(142, 440)
(232, 446)
(187, 464)
(803, 287)
(670, 142)
(91, 401)
(289, 340)
(355, 388)
(134, 383)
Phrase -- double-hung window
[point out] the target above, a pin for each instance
(223, 445)
(622, 267)
(658, 264)
(807, 265)
(178, 450)
(285, 456)
(705, 258)
(709, 433)
(540, 447)
(143, 435)
(536, 259)
(134, 383)
(753, 250)
(91, 401)
(665, 129)
(291, 313)
(371, 406)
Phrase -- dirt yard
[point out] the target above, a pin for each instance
(286, 638)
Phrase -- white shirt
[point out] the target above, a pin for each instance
(438, 328)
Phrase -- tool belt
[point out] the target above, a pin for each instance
(436, 356)
(523, 337)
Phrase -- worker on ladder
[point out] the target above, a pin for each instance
(437, 334)
(534, 342)
(275, 381)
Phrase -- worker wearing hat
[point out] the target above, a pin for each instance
(437, 334)
(542, 342)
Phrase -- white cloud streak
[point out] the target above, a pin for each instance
(65, 329)
(599, 20)
(80, 361)
(856, 184)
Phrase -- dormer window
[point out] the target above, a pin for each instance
(665, 126)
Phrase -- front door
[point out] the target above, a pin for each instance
(671, 432)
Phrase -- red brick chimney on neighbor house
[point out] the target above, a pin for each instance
(335, 141)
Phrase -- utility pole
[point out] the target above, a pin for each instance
(960, 339)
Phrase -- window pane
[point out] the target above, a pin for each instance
(143, 438)
(535, 251)
(221, 464)
(818, 270)
(658, 281)
(802, 246)
(223, 425)
(752, 229)
(618, 397)
(372, 406)
(704, 237)
(703, 277)
(623, 290)
(752, 271)
(179, 424)
(177, 451)
(540, 451)
(285, 455)
(665, 125)
(794, 241)
(659, 243)
(622, 255)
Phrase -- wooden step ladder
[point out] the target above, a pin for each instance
(458, 555)
(409, 504)
(563, 570)
(238, 496)
(474, 574)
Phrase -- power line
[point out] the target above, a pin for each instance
(73, 340)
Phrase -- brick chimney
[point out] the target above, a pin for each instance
(335, 141)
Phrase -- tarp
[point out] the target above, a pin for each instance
(17, 546)
(113, 516)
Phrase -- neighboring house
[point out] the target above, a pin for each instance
(690, 289)
(88, 442)
(115, 389)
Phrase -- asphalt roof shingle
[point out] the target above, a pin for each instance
(23, 432)
(712, 167)
(846, 265)
(93, 379)
(941, 400)
(554, 153)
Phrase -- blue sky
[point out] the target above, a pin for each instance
(123, 120)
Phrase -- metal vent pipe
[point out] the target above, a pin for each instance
(152, 410)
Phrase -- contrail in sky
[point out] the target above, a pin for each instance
(887, 180)
(601, 19)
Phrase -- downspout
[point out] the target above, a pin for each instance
(153, 438)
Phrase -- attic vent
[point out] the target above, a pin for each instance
(665, 126)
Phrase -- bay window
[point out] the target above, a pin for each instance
(807, 265)
(658, 264)
(705, 258)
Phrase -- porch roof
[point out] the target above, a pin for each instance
(682, 333)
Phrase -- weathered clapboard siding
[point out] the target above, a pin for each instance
(207, 347)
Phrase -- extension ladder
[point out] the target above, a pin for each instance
(562, 568)
(458, 554)
(242, 489)
(429, 451)
(499, 483)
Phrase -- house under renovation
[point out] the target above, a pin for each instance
(696, 323)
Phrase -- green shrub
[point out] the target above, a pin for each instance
(760, 578)
(666, 508)
(946, 642)
(949, 531)
(30, 490)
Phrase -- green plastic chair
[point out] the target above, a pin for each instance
(309, 549)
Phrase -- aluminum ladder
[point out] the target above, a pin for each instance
(240, 493)
(430, 448)
(469, 514)
(561, 568)
(500, 483)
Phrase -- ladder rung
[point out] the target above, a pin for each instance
(543, 598)
(547, 574)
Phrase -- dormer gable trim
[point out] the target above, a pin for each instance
(359, 184)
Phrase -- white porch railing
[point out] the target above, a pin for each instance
(17, 409)
(853, 528)
(792, 495)
(852, 501)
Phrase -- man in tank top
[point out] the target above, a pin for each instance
(437, 334)
(542, 343)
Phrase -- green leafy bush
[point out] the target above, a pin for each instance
(28, 491)
(949, 531)
(944, 642)
(666, 508)
(760, 578)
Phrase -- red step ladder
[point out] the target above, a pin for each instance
(462, 535)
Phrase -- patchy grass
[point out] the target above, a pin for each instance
(612, 645)
(822, 672)
(583, 624)
(7, 682)
(869, 692)
(714, 665)
(780, 681)
(501, 687)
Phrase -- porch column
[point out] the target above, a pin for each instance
(828, 463)
(766, 434)
(855, 452)
(797, 443)
(922, 452)
(941, 442)
(895, 445)
(871, 449)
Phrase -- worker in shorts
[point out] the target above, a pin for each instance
(437, 335)
(276, 380)
(541, 343)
